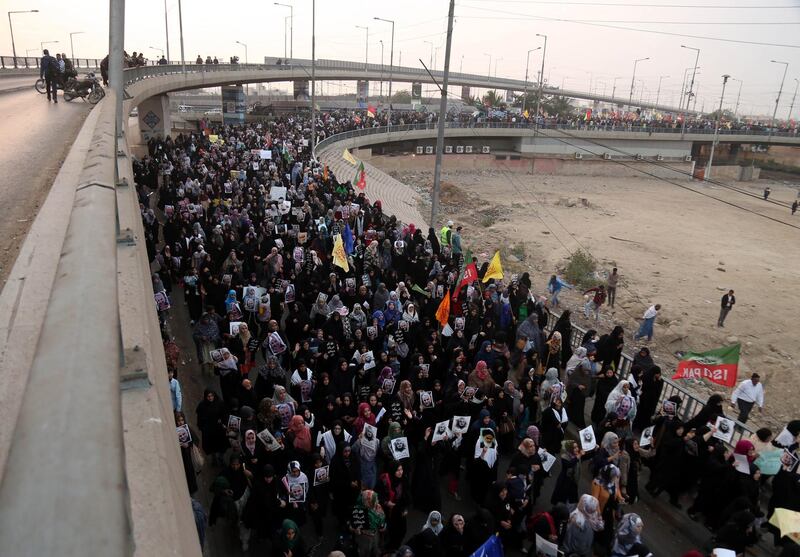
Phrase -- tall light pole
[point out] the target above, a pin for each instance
(47, 42)
(527, 63)
(11, 28)
(716, 127)
(71, 47)
(366, 48)
(166, 27)
(791, 106)
(541, 81)
(461, 67)
(691, 87)
(658, 92)
(436, 56)
(161, 50)
(489, 74)
(633, 78)
(291, 28)
(247, 85)
(391, 70)
(380, 94)
(738, 96)
(437, 172)
(180, 30)
(313, 75)
(496, 60)
(778, 99)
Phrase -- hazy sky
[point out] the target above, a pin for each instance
(505, 29)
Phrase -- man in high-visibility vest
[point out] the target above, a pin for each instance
(445, 233)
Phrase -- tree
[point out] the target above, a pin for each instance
(493, 99)
(556, 104)
(727, 115)
(401, 97)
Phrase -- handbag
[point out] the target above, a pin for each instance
(198, 460)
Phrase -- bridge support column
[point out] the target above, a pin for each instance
(154, 118)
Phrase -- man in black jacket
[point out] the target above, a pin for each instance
(48, 70)
(725, 306)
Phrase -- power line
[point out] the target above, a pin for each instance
(520, 16)
(634, 5)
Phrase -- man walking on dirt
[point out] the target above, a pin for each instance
(726, 305)
(749, 393)
(611, 286)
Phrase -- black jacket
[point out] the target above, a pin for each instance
(48, 66)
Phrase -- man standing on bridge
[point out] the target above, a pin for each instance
(48, 70)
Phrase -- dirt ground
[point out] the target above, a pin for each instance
(672, 246)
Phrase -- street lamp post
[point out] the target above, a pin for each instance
(71, 47)
(541, 81)
(47, 42)
(461, 67)
(716, 127)
(166, 27)
(778, 99)
(380, 94)
(161, 50)
(489, 74)
(391, 70)
(738, 96)
(614, 88)
(527, 63)
(430, 60)
(436, 56)
(496, 60)
(658, 92)
(291, 28)
(247, 85)
(11, 28)
(180, 30)
(633, 78)
(366, 47)
(313, 75)
(791, 106)
(691, 87)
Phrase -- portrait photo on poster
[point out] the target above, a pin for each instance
(588, 440)
(441, 431)
(322, 475)
(400, 448)
(184, 435)
(460, 424)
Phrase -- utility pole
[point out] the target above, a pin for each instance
(716, 127)
(691, 86)
(658, 92)
(180, 29)
(527, 63)
(313, 76)
(541, 83)
(437, 173)
(738, 96)
(366, 48)
(166, 27)
(291, 29)
(778, 99)
(633, 79)
(391, 71)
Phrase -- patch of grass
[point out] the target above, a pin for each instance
(487, 219)
(580, 269)
(517, 250)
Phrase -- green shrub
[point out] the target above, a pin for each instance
(580, 269)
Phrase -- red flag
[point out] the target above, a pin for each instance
(719, 366)
(470, 276)
(371, 111)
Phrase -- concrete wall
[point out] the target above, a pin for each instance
(736, 172)
(154, 117)
(527, 165)
(616, 147)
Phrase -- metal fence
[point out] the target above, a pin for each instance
(32, 62)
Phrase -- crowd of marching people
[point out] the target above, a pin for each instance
(358, 363)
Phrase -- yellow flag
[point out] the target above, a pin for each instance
(339, 256)
(213, 138)
(526, 114)
(495, 269)
(349, 158)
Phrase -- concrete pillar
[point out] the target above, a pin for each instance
(154, 118)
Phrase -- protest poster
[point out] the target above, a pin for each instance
(547, 459)
(669, 408)
(399, 448)
(460, 424)
(741, 464)
(265, 154)
(647, 436)
(370, 435)
(269, 440)
(276, 193)
(388, 386)
(322, 475)
(184, 435)
(234, 424)
(724, 429)
(297, 491)
(234, 327)
(368, 359)
(588, 440)
(426, 400)
(441, 431)
(469, 393)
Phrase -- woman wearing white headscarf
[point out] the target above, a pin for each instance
(410, 314)
(628, 535)
(584, 521)
(577, 357)
(434, 522)
(621, 402)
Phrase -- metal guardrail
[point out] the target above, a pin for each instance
(32, 62)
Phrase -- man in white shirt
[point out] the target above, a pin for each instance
(648, 320)
(749, 392)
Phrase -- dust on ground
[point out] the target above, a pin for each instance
(675, 247)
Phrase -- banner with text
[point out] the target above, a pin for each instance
(720, 366)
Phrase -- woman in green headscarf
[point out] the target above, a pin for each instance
(289, 543)
(367, 522)
(395, 431)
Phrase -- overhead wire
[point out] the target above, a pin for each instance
(642, 5)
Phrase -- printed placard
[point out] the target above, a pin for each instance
(234, 424)
(184, 435)
(368, 359)
(740, 463)
(269, 440)
(216, 356)
(162, 300)
(441, 431)
(297, 491)
(547, 459)
(322, 475)
(370, 436)
(459, 324)
(388, 386)
(276, 193)
(588, 440)
(545, 548)
(647, 436)
(306, 388)
(234, 327)
(669, 408)
(469, 393)
(724, 429)
(372, 332)
(399, 448)
(460, 424)
(426, 399)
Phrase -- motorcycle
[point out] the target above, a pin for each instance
(88, 88)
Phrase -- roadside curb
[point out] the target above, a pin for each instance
(15, 89)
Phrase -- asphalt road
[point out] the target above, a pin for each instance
(36, 138)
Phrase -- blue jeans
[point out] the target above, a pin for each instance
(646, 329)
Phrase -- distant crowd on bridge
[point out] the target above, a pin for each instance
(360, 370)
